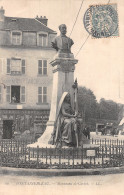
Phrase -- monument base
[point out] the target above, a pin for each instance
(42, 142)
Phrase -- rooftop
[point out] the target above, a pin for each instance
(24, 24)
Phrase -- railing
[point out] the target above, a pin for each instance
(107, 142)
(17, 154)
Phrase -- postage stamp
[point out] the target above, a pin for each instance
(101, 21)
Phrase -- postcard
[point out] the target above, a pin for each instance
(61, 97)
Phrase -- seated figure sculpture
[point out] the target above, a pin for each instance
(67, 127)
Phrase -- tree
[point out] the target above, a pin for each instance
(109, 109)
(87, 103)
(92, 111)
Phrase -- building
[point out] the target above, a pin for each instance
(121, 122)
(25, 74)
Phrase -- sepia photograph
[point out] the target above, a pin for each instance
(61, 97)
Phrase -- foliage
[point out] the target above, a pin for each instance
(108, 109)
(92, 111)
(87, 103)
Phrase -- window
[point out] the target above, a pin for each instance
(15, 66)
(15, 94)
(8, 66)
(23, 67)
(0, 94)
(16, 38)
(42, 95)
(1, 65)
(8, 94)
(22, 94)
(42, 67)
(42, 40)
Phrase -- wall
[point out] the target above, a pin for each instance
(28, 38)
(5, 38)
(31, 80)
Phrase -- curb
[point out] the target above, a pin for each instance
(59, 172)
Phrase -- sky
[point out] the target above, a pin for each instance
(100, 64)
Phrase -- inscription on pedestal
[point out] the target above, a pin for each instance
(91, 153)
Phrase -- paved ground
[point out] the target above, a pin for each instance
(84, 185)
(94, 136)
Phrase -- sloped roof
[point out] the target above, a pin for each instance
(24, 24)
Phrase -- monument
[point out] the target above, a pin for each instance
(62, 101)
(62, 43)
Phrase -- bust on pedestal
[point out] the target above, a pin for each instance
(63, 78)
(63, 44)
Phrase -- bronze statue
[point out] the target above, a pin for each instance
(62, 43)
(67, 128)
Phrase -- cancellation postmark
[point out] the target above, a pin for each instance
(101, 20)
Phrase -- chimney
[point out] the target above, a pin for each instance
(2, 11)
(43, 20)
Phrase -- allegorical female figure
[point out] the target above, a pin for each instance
(66, 127)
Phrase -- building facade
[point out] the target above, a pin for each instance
(25, 74)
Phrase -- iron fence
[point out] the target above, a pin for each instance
(18, 154)
(107, 142)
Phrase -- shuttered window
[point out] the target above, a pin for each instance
(42, 40)
(23, 98)
(16, 38)
(8, 94)
(2, 65)
(42, 94)
(0, 94)
(42, 67)
(8, 66)
(23, 66)
(16, 66)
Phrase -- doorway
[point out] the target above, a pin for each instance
(7, 129)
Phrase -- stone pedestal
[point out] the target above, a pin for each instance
(63, 79)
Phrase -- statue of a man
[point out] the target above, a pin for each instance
(62, 43)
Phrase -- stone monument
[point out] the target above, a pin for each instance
(63, 78)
